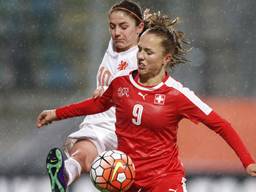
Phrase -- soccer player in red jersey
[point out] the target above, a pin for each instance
(149, 106)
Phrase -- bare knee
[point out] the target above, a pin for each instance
(84, 151)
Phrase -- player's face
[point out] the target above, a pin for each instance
(152, 59)
(124, 31)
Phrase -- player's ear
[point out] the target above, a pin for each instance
(167, 58)
(140, 28)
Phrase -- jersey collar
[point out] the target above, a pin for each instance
(133, 76)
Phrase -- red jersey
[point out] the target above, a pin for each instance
(147, 121)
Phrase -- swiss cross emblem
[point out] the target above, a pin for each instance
(159, 99)
(122, 65)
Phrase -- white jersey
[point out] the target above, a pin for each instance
(112, 63)
(100, 128)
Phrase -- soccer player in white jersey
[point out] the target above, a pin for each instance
(149, 106)
(97, 132)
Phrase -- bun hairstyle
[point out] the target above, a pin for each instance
(173, 40)
(131, 8)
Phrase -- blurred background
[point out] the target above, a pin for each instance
(49, 55)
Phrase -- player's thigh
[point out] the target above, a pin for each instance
(103, 138)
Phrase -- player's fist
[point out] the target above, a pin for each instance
(46, 117)
(251, 169)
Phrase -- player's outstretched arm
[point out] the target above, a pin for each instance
(85, 107)
(46, 117)
(251, 169)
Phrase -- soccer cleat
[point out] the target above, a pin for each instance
(56, 171)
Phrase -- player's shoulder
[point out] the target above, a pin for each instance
(178, 87)
(172, 83)
(184, 94)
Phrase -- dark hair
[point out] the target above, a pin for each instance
(173, 41)
(131, 8)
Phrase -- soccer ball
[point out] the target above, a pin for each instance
(112, 171)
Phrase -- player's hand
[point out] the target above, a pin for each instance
(98, 92)
(251, 169)
(46, 117)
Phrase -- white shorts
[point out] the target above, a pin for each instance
(99, 134)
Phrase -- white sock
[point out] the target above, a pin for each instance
(73, 169)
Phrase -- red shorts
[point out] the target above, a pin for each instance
(165, 184)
